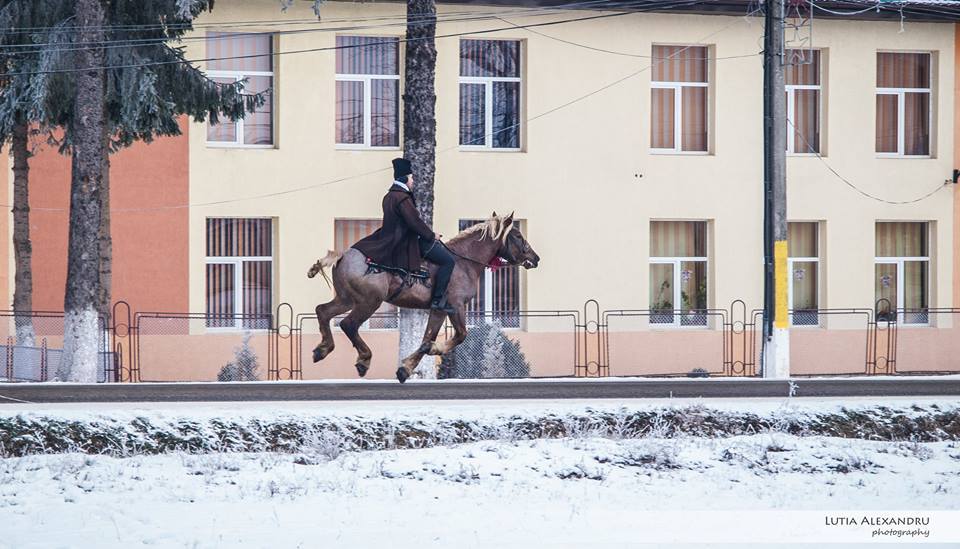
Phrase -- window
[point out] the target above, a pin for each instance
(498, 292)
(804, 268)
(903, 104)
(239, 273)
(678, 109)
(346, 233)
(368, 91)
(247, 56)
(678, 273)
(490, 94)
(902, 266)
(803, 101)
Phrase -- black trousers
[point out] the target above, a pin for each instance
(435, 252)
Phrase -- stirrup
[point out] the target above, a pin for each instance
(441, 305)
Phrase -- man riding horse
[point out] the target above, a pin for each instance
(404, 238)
(385, 267)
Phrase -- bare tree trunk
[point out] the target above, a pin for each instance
(106, 241)
(419, 146)
(23, 250)
(82, 337)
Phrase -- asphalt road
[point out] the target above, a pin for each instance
(454, 390)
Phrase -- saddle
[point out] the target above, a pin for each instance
(407, 278)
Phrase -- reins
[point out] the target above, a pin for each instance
(485, 265)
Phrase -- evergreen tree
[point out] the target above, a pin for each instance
(245, 365)
(108, 74)
(486, 352)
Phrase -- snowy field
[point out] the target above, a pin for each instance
(588, 488)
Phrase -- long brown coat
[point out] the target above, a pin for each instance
(395, 244)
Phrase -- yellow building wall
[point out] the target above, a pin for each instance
(586, 182)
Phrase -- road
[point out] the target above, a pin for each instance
(609, 388)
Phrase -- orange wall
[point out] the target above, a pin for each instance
(149, 246)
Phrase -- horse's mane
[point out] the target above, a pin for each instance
(490, 227)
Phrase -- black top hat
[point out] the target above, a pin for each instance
(401, 169)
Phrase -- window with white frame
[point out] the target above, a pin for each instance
(246, 57)
(368, 92)
(803, 265)
(498, 291)
(678, 273)
(678, 96)
(490, 94)
(802, 79)
(239, 261)
(903, 104)
(902, 271)
(346, 232)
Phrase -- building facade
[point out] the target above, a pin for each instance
(630, 147)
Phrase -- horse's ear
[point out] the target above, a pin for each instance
(494, 214)
(507, 221)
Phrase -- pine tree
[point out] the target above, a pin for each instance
(136, 87)
(245, 365)
(494, 362)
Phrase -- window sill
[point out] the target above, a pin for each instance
(805, 155)
(669, 327)
(468, 148)
(671, 152)
(342, 147)
(905, 156)
(216, 145)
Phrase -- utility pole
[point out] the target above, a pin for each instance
(776, 332)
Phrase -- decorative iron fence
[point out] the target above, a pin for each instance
(589, 342)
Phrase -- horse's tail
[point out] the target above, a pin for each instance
(329, 260)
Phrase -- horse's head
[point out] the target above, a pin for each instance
(513, 246)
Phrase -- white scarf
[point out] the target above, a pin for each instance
(403, 185)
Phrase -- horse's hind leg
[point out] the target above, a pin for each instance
(351, 326)
(325, 313)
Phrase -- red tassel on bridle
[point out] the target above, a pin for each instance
(497, 262)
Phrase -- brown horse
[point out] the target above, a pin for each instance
(361, 292)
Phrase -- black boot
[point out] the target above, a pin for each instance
(440, 304)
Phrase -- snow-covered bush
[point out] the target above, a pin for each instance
(244, 367)
(486, 352)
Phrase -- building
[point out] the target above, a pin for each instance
(630, 146)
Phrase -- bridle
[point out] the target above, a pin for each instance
(509, 260)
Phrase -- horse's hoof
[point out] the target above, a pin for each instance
(319, 354)
(361, 369)
(402, 374)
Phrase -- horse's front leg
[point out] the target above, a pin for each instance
(426, 347)
(459, 321)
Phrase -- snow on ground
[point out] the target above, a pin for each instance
(578, 491)
(523, 493)
(465, 409)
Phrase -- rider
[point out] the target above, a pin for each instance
(404, 238)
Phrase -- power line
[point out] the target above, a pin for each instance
(381, 170)
(672, 3)
(816, 153)
(416, 20)
(613, 52)
(607, 5)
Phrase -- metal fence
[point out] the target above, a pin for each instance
(32, 347)
(588, 342)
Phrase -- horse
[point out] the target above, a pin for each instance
(360, 289)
